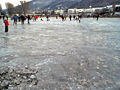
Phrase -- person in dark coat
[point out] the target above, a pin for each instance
(47, 18)
(70, 17)
(74, 17)
(97, 16)
(79, 18)
(28, 17)
(62, 18)
(22, 19)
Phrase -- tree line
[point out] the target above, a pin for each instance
(23, 8)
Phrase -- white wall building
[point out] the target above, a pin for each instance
(61, 12)
(71, 11)
(92, 10)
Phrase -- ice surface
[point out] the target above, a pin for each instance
(68, 55)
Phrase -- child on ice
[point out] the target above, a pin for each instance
(6, 24)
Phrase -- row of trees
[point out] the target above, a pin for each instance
(20, 9)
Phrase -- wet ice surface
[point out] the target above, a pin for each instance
(66, 55)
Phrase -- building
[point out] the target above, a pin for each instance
(75, 11)
(59, 12)
(108, 10)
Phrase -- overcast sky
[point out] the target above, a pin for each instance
(15, 2)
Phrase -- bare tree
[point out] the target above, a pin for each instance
(10, 8)
(0, 8)
(18, 9)
(25, 7)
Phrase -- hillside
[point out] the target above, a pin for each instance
(93, 3)
(65, 4)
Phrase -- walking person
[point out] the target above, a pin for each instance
(41, 18)
(22, 19)
(6, 24)
(19, 18)
(97, 16)
(36, 17)
(28, 17)
(47, 18)
(56, 17)
(70, 17)
(15, 18)
(74, 17)
(62, 18)
(79, 18)
(65, 17)
(33, 18)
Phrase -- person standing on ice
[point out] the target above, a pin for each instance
(33, 18)
(97, 16)
(74, 17)
(41, 18)
(6, 24)
(22, 19)
(18, 18)
(62, 18)
(56, 17)
(70, 17)
(36, 17)
(65, 17)
(79, 18)
(15, 17)
(28, 17)
(47, 18)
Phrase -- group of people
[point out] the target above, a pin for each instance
(75, 17)
(22, 19)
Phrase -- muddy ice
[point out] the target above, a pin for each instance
(58, 55)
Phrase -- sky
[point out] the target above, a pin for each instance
(15, 2)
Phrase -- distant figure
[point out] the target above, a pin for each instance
(28, 17)
(74, 17)
(6, 24)
(70, 17)
(41, 18)
(56, 17)
(62, 18)
(33, 18)
(22, 19)
(36, 17)
(97, 16)
(65, 17)
(47, 18)
(15, 17)
(19, 18)
(79, 18)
